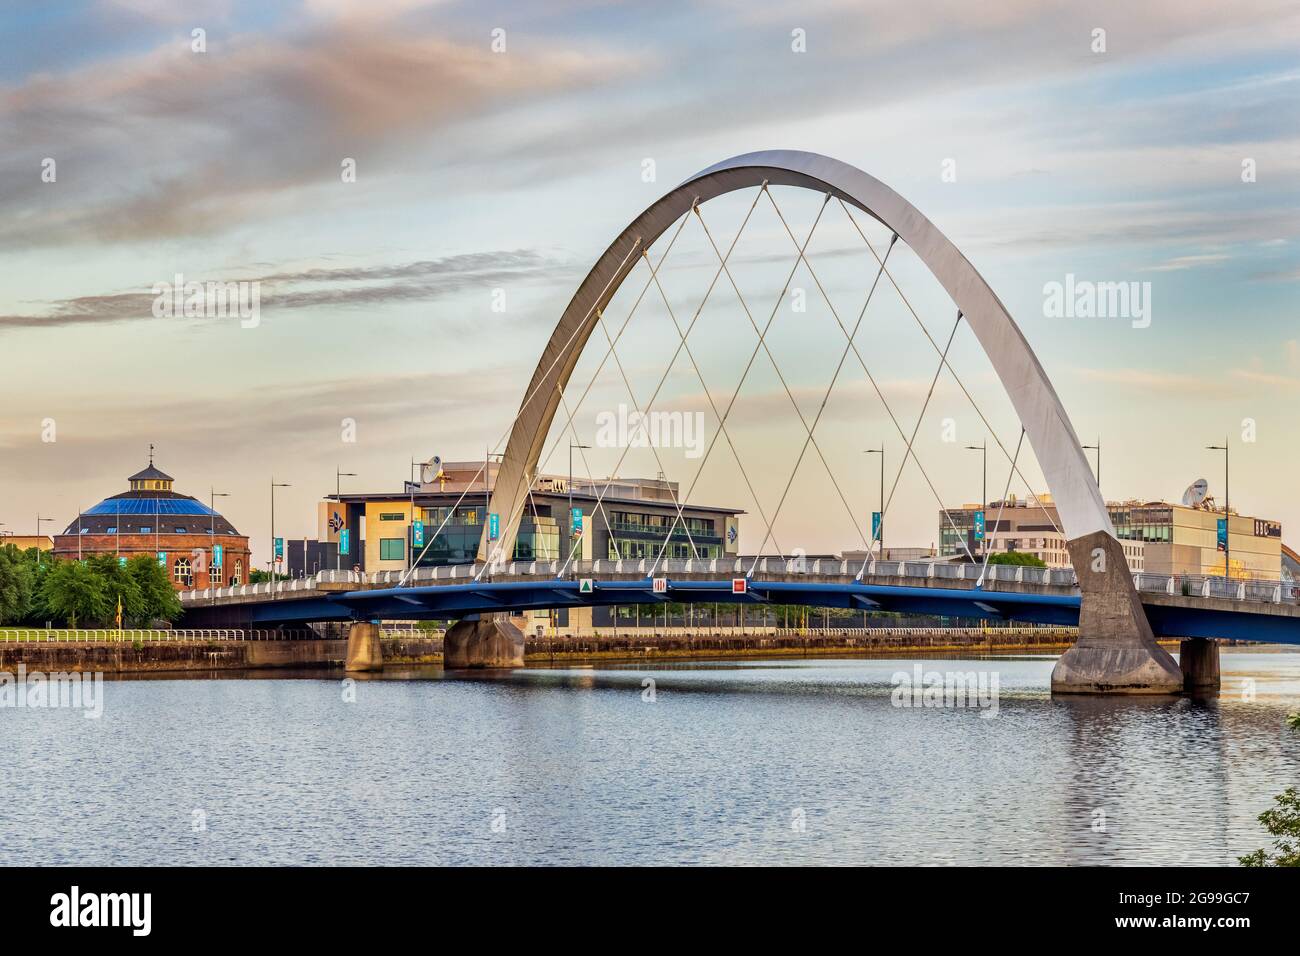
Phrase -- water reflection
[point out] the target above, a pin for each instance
(790, 761)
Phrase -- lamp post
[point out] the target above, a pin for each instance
(213, 495)
(881, 452)
(1227, 530)
(572, 446)
(1097, 449)
(37, 542)
(338, 496)
(983, 448)
(274, 485)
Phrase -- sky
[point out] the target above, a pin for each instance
(498, 148)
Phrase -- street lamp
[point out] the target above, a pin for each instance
(37, 542)
(572, 445)
(983, 447)
(1227, 530)
(338, 496)
(274, 485)
(213, 495)
(1097, 449)
(881, 529)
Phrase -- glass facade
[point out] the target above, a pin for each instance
(457, 543)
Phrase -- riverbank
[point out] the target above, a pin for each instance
(200, 655)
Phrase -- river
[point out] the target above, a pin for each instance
(772, 762)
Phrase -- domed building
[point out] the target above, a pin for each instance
(197, 545)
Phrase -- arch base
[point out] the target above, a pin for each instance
(1116, 653)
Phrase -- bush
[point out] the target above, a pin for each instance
(1283, 822)
(1017, 559)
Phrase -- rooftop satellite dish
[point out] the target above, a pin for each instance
(1195, 493)
(431, 470)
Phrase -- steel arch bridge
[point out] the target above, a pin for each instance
(1116, 650)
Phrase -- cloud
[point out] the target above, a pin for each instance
(173, 142)
(319, 288)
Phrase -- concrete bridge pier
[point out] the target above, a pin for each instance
(1199, 659)
(1116, 653)
(364, 651)
(482, 642)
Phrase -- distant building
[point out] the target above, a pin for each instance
(1156, 536)
(24, 541)
(631, 521)
(183, 534)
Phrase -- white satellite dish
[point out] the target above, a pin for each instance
(1195, 493)
(430, 470)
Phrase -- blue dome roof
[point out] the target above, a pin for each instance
(149, 506)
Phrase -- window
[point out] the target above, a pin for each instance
(182, 573)
(392, 516)
(392, 549)
(112, 530)
(239, 573)
(179, 529)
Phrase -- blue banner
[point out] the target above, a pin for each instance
(979, 526)
(1223, 534)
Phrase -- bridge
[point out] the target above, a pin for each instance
(1119, 614)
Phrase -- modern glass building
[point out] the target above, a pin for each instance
(621, 518)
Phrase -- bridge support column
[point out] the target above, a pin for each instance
(1116, 653)
(1199, 660)
(364, 652)
(482, 642)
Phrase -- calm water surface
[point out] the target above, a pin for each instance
(574, 766)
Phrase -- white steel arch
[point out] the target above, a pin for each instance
(1068, 475)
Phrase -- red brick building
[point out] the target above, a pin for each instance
(197, 545)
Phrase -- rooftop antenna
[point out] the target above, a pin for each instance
(151, 454)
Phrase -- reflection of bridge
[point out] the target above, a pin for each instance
(1116, 650)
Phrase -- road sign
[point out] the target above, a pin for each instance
(494, 526)
(660, 585)
(279, 549)
(216, 555)
(979, 526)
(739, 585)
(344, 541)
(875, 526)
(586, 586)
(417, 533)
(1223, 534)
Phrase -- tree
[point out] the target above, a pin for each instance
(1282, 821)
(119, 585)
(158, 597)
(17, 585)
(1017, 558)
(71, 591)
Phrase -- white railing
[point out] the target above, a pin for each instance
(70, 635)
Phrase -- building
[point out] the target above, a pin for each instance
(197, 545)
(629, 519)
(440, 521)
(22, 542)
(1156, 536)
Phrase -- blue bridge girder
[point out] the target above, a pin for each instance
(1169, 616)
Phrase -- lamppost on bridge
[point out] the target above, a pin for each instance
(338, 496)
(881, 528)
(572, 542)
(213, 495)
(1227, 530)
(274, 484)
(983, 448)
(1097, 449)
